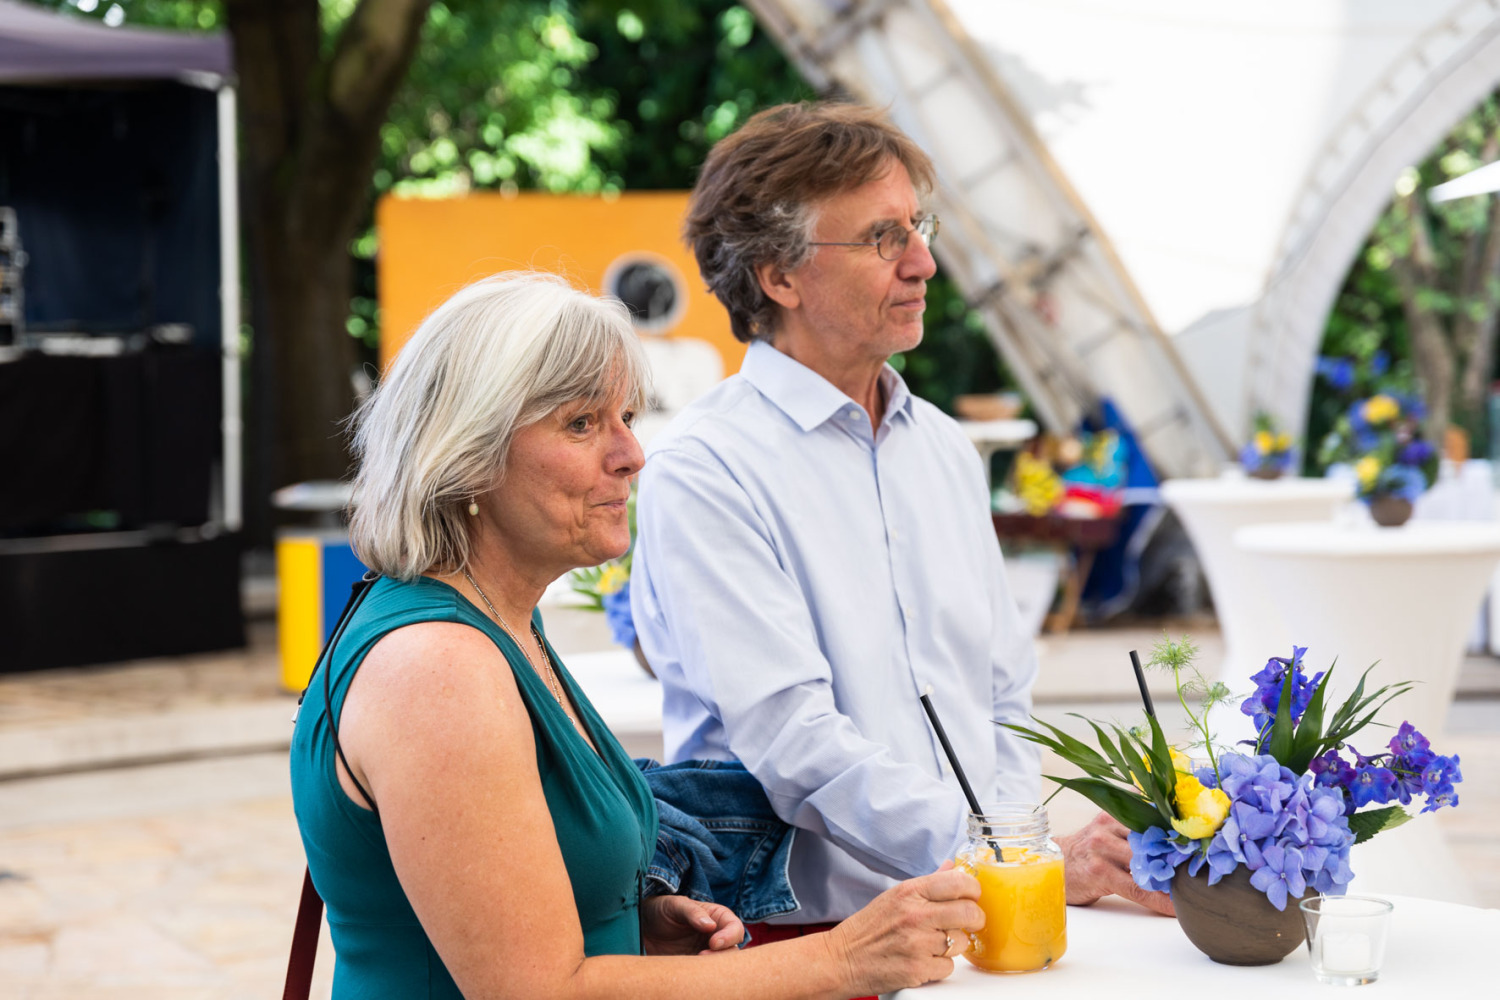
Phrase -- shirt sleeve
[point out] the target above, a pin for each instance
(1017, 761)
(738, 624)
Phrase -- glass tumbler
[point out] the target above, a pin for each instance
(1020, 872)
(1346, 937)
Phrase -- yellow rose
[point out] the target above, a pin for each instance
(1368, 470)
(1380, 409)
(1203, 810)
(1283, 442)
(613, 578)
(1265, 443)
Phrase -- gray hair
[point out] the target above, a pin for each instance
(500, 354)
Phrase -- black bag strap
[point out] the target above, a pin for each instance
(357, 594)
(299, 966)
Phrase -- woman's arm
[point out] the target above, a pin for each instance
(435, 728)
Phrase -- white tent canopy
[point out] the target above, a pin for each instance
(1169, 193)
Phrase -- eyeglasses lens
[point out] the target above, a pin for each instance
(893, 242)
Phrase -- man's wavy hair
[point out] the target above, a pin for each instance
(757, 197)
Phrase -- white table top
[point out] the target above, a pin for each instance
(1118, 950)
(1234, 489)
(1415, 538)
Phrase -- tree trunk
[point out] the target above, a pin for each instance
(311, 127)
(1432, 346)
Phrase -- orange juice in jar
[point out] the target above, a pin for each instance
(1020, 873)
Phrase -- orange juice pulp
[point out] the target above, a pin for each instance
(1025, 911)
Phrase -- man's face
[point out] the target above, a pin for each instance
(852, 300)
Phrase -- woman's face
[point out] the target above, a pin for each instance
(561, 502)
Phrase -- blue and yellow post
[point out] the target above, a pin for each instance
(314, 571)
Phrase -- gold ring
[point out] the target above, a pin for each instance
(948, 947)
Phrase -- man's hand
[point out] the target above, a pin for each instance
(1096, 860)
(677, 925)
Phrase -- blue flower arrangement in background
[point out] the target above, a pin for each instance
(606, 588)
(1269, 452)
(1287, 810)
(1381, 439)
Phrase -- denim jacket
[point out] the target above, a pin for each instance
(719, 840)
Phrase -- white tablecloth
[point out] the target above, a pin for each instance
(1405, 597)
(1117, 950)
(1212, 510)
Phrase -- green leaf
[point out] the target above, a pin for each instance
(1111, 751)
(1070, 749)
(1134, 812)
(1280, 746)
(1367, 824)
(1309, 738)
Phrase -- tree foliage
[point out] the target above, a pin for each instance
(555, 95)
(1425, 288)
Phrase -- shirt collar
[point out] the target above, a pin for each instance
(804, 395)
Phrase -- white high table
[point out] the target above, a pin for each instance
(1405, 597)
(1117, 950)
(1212, 510)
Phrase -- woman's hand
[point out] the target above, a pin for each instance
(909, 934)
(677, 925)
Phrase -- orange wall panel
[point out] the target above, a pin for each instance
(429, 248)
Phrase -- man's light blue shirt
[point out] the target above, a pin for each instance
(799, 580)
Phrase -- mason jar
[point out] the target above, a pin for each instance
(1020, 872)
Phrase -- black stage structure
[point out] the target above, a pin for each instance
(119, 324)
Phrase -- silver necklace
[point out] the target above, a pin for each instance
(549, 676)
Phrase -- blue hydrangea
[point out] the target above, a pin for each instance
(1287, 830)
(1154, 857)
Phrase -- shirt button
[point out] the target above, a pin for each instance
(911, 616)
(927, 690)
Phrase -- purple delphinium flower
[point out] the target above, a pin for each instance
(1415, 453)
(1262, 705)
(1407, 740)
(1337, 372)
(1371, 783)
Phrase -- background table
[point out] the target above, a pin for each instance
(1405, 597)
(1212, 510)
(991, 436)
(1118, 950)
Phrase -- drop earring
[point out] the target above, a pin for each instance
(473, 508)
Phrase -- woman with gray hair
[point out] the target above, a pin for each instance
(472, 825)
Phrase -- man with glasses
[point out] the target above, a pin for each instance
(815, 548)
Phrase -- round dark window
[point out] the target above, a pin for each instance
(649, 290)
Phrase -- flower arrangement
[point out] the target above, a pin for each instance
(606, 588)
(1381, 438)
(1287, 810)
(1076, 477)
(1269, 452)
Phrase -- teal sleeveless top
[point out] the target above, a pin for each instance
(601, 807)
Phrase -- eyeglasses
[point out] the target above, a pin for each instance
(891, 243)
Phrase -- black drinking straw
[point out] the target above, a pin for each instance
(1140, 678)
(963, 780)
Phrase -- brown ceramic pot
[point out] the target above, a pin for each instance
(1233, 922)
(1266, 472)
(1389, 511)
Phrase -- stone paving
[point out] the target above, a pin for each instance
(147, 846)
